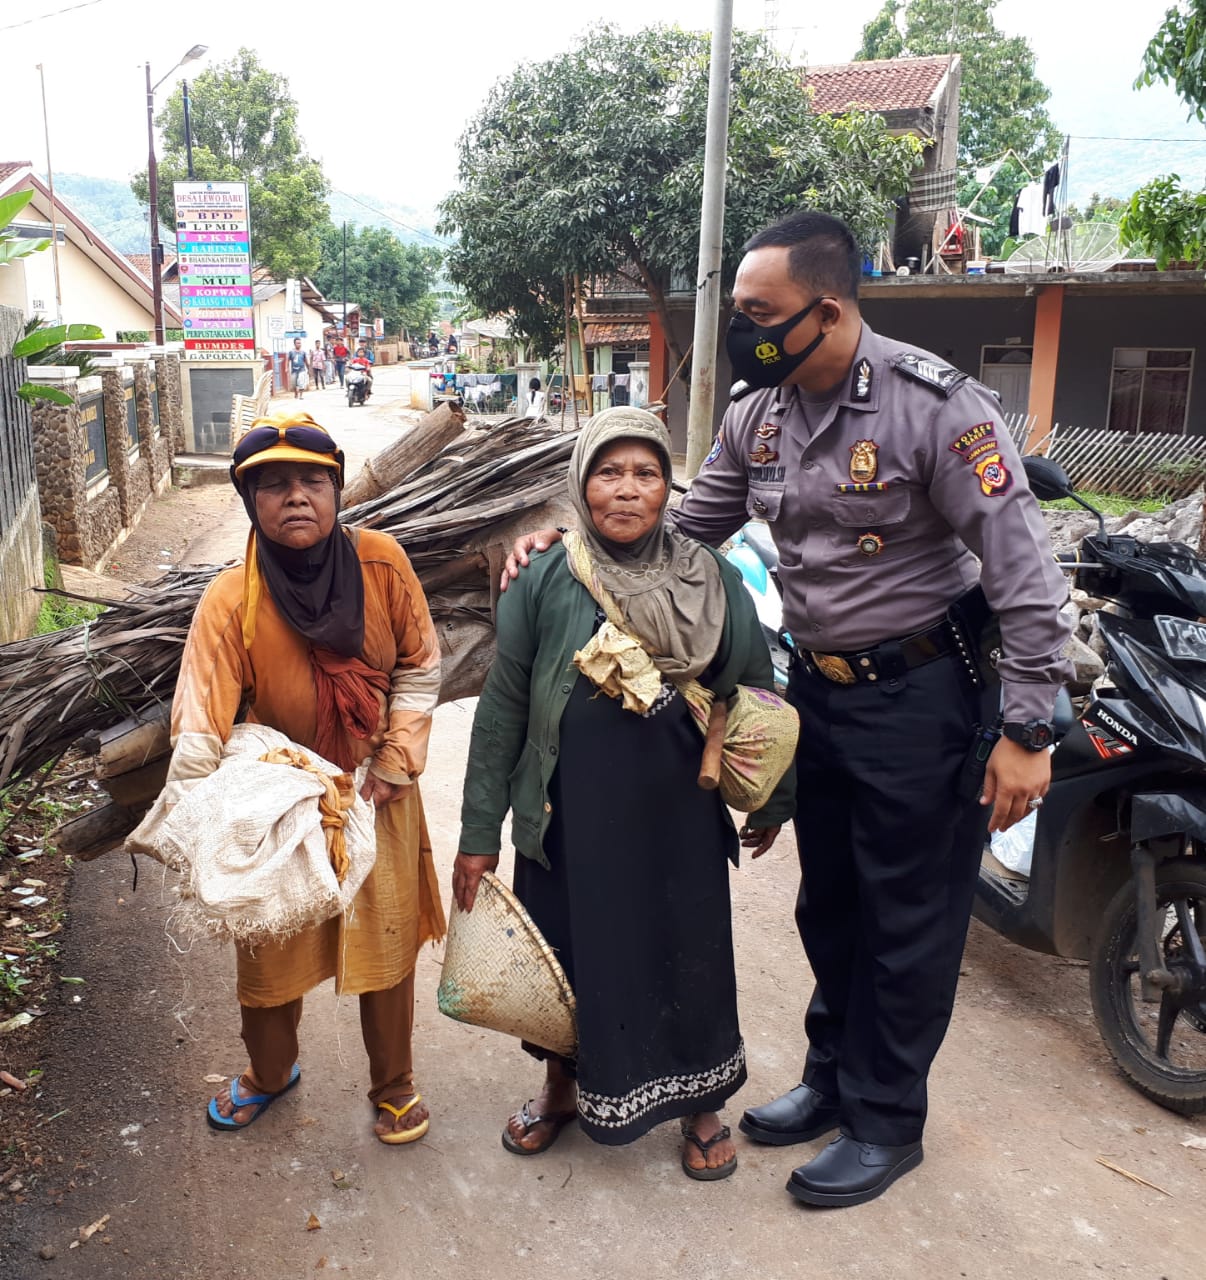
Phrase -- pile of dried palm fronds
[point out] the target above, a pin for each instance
(55, 689)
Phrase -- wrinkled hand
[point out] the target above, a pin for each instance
(379, 791)
(467, 872)
(1014, 776)
(525, 544)
(758, 840)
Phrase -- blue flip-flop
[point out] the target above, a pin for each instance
(261, 1101)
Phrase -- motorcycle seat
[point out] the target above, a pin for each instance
(759, 537)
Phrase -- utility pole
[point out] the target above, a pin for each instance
(54, 229)
(188, 131)
(711, 242)
(345, 283)
(153, 193)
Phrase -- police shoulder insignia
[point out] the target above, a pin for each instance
(714, 451)
(993, 475)
(860, 381)
(978, 447)
(863, 462)
(931, 373)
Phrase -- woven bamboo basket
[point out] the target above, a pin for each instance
(501, 974)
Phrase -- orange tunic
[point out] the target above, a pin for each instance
(398, 908)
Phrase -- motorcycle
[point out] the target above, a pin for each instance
(1118, 867)
(356, 381)
(752, 551)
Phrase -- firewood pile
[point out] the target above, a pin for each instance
(452, 497)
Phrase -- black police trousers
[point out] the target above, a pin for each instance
(889, 856)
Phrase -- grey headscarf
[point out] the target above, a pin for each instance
(668, 585)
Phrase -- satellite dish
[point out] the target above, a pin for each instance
(1085, 246)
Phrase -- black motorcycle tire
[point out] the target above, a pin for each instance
(1110, 985)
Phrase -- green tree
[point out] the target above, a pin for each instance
(1002, 102)
(386, 277)
(1177, 55)
(1167, 220)
(592, 162)
(244, 127)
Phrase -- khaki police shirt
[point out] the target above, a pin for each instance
(879, 514)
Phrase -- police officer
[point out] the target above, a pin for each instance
(903, 521)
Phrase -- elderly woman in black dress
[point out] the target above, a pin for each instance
(622, 858)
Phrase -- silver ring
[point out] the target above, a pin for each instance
(1035, 803)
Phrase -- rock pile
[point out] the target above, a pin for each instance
(1179, 522)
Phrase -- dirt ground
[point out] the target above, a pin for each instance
(1024, 1105)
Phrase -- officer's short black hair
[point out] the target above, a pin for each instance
(823, 253)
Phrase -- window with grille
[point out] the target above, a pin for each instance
(1149, 388)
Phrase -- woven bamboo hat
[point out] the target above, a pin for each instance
(501, 974)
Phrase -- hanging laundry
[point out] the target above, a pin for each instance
(1050, 187)
(1013, 216)
(1031, 221)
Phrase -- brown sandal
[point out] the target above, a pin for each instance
(558, 1119)
(705, 1145)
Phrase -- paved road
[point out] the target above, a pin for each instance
(361, 433)
(1023, 1102)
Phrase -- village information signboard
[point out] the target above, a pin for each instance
(213, 241)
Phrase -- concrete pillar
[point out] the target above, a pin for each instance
(60, 453)
(1048, 318)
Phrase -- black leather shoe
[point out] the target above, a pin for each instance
(850, 1172)
(798, 1116)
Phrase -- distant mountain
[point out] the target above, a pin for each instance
(410, 225)
(109, 205)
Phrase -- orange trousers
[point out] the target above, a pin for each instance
(386, 1023)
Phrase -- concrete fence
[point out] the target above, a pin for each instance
(102, 458)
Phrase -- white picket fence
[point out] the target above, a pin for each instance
(1152, 464)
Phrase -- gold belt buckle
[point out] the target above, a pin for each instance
(834, 668)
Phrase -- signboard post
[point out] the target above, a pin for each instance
(213, 240)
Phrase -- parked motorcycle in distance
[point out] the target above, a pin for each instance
(356, 381)
(1118, 868)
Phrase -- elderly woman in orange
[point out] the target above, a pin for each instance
(324, 634)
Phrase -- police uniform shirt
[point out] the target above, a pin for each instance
(879, 514)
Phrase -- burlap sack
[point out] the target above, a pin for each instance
(250, 844)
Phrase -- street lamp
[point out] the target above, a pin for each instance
(197, 51)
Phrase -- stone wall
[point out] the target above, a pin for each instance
(94, 502)
(171, 401)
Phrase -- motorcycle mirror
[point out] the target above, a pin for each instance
(1048, 480)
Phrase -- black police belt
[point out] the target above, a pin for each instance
(893, 658)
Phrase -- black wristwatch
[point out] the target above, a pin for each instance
(1034, 735)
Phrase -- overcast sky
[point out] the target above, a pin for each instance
(383, 99)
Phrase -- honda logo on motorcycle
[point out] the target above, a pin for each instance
(1104, 743)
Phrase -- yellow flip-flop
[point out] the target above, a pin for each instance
(396, 1137)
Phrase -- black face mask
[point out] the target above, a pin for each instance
(757, 355)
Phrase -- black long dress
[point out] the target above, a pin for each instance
(636, 904)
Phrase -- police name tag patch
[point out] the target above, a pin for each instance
(714, 451)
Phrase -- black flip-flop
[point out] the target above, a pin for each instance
(558, 1119)
(705, 1145)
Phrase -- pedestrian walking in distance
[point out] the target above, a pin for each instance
(299, 369)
